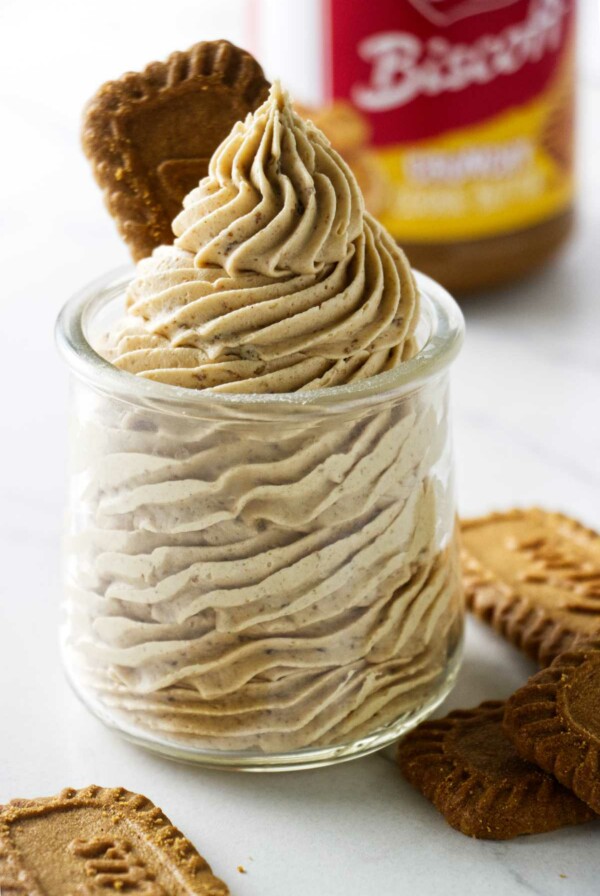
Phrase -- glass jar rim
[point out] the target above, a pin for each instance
(443, 342)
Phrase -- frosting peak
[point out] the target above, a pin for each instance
(278, 199)
(278, 280)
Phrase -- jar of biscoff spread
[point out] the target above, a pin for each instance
(456, 116)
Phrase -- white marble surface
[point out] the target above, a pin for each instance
(526, 397)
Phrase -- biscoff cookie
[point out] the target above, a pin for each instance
(150, 134)
(98, 840)
(535, 577)
(554, 721)
(468, 768)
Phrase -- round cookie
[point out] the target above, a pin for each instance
(554, 721)
(467, 767)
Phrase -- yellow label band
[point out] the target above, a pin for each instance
(513, 171)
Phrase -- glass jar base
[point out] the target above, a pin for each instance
(310, 757)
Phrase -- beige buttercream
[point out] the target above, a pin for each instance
(278, 280)
(262, 594)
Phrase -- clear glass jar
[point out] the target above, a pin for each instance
(261, 582)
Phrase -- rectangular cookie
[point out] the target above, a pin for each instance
(93, 841)
(535, 577)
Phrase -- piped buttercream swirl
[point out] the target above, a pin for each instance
(278, 279)
(236, 588)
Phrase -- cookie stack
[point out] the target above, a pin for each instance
(532, 763)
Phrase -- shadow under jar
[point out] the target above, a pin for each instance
(261, 582)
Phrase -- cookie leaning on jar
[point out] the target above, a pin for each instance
(262, 567)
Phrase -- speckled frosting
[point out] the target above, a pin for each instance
(278, 280)
(262, 594)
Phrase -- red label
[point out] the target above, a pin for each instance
(417, 68)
